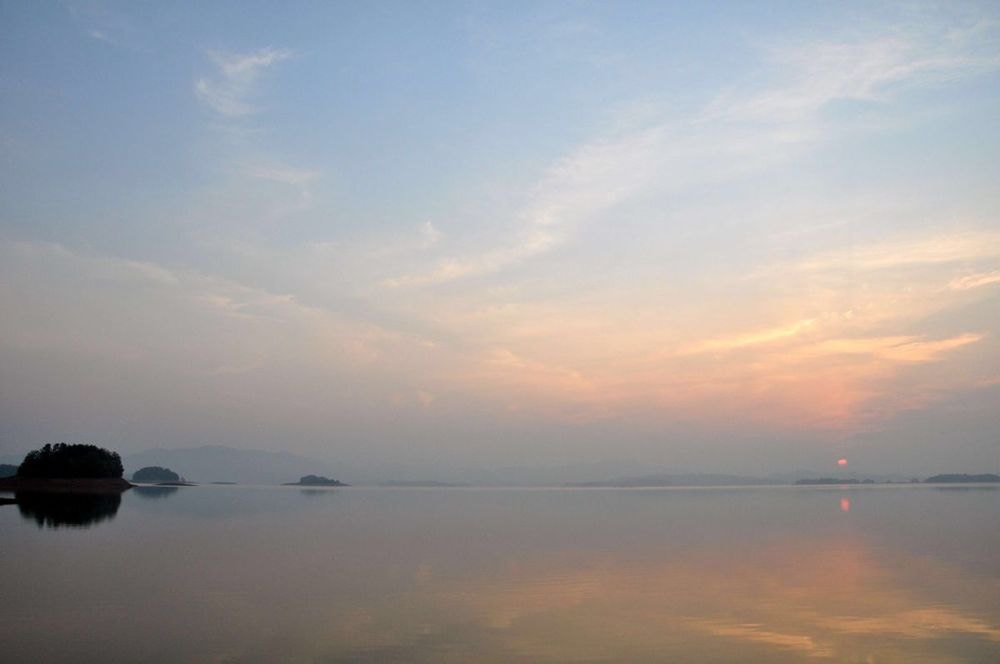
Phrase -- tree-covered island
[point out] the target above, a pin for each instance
(72, 468)
(315, 480)
(153, 474)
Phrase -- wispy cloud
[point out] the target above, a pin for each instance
(826, 72)
(582, 185)
(259, 185)
(738, 132)
(229, 91)
(101, 23)
(758, 337)
(283, 174)
(90, 289)
(975, 280)
(896, 349)
(930, 250)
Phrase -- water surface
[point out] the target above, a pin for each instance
(248, 574)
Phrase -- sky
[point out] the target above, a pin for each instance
(730, 237)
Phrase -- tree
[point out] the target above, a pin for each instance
(71, 462)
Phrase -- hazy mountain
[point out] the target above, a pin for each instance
(685, 479)
(794, 476)
(720, 479)
(12, 459)
(213, 463)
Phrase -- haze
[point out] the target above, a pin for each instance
(732, 237)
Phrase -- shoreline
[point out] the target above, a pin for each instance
(75, 485)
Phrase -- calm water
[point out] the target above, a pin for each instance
(241, 574)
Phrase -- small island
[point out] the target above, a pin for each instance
(154, 474)
(315, 480)
(69, 468)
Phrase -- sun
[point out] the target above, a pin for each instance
(841, 462)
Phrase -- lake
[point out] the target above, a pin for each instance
(258, 574)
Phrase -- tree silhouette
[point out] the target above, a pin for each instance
(71, 462)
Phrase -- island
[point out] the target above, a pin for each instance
(73, 486)
(963, 478)
(315, 480)
(154, 474)
(7, 470)
(69, 469)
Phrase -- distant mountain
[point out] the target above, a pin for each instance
(217, 463)
(422, 484)
(962, 478)
(829, 480)
(9, 459)
(792, 477)
(541, 475)
(685, 479)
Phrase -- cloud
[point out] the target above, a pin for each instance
(121, 308)
(898, 349)
(756, 634)
(429, 235)
(103, 24)
(100, 36)
(867, 70)
(780, 333)
(578, 187)
(227, 93)
(935, 249)
(296, 177)
(975, 280)
(737, 133)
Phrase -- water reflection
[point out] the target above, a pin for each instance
(768, 575)
(67, 510)
(829, 599)
(316, 492)
(154, 492)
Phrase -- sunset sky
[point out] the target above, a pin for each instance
(736, 237)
